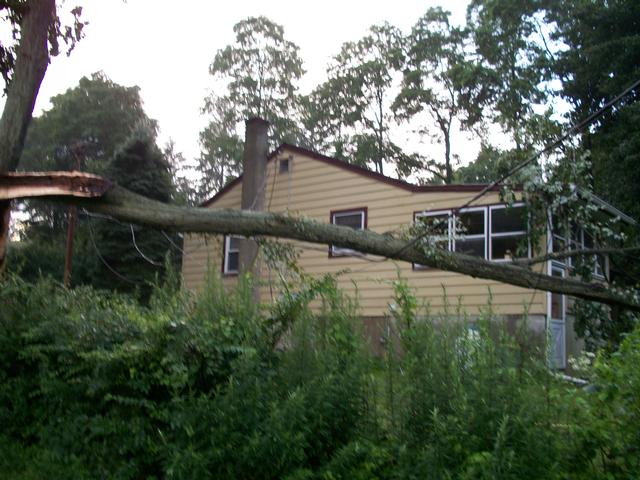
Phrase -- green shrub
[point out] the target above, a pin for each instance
(95, 385)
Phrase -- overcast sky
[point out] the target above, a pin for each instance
(166, 50)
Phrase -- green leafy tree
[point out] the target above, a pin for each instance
(353, 106)
(258, 74)
(489, 166)
(182, 173)
(221, 150)
(325, 117)
(83, 128)
(442, 83)
(601, 59)
(510, 45)
(97, 111)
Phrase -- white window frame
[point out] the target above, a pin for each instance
(347, 252)
(599, 271)
(485, 235)
(435, 213)
(227, 251)
(560, 323)
(492, 235)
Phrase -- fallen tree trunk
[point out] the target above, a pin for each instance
(126, 206)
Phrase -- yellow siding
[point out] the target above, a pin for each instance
(313, 189)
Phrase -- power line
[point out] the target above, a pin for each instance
(105, 263)
(572, 131)
(133, 237)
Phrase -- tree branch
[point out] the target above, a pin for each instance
(129, 207)
(573, 253)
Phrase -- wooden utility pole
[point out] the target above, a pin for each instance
(73, 214)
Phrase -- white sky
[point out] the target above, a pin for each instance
(165, 47)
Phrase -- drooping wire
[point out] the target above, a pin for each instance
(104, 262)
(144, 257)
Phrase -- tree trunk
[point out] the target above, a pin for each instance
(98, 195)
(32, 58)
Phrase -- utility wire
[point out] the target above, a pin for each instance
(105, 263)
(572, 131)
(147, 259)
(173, 243)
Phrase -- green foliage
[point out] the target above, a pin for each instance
(258, 74)
(94, 385)
(441, 82)
(350, 111)
(600, 60)
(187, 389)
(87, 123)
(221, 149)
(489, 166)
(510, 47)
(84, 128)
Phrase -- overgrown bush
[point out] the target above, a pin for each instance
(94, 385)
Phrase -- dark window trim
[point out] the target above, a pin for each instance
(365, 222)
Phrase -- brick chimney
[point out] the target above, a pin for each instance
(254, 169)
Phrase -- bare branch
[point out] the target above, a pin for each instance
(573, 253)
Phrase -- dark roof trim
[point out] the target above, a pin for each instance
(467, 187)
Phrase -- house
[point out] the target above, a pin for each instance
(303, 182)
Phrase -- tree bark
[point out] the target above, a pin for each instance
(32, 58)
(121, 204)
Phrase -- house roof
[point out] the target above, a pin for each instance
(466, 187)
(459, 187)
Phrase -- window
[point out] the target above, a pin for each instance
(470, 234)
(231, 261)
(438, 226)
(284, 165)
(569, 236)
(508, 230)
(599, 261)
(355, 218)
(557, 325)
(494, 232)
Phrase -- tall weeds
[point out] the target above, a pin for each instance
(94, 385)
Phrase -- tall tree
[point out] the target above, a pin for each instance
(356, 100)
(601, 58)
(84, 127)
(441, 82)
(510, 44)
(182, 173)
(86, 124)
(220, 149)
(260, 72)
(259, 76)
(325, 118)
(97, 111)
